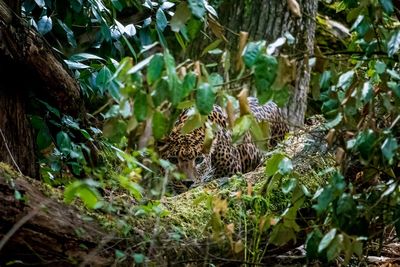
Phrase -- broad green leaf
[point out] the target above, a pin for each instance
(215, 80)
(189, 82)
(272, 165)
(312, 242)
(138, 258)
(367, 92)
(86, 191)
(205, 98)
(211, 46)
(346, 79)
(43, 139)
(365, 143)
(197, 7)
(161, 19)
(380, 67)
(174, 84)
(334, 248)
(161, 92)
(242, 125)
(193, 122)
(160, 125)
(140, 106)
(252, 52)
(282, 234)
(394, 42)
(154, 70)
(103, 79)
(324, 199)
(64, 142)
(265, 71)
(285, 166)
(326, 240)
(389, 148)
(325, 80)
(51, 108)
(335, 122)
(45, 24)
(117, 5)
(85, 56)
(387, 6)
(260, 132)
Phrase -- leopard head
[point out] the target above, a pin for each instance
(187, 152)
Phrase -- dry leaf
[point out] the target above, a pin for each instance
(243, 102)
(294, 7)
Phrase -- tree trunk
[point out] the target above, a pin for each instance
(270, 20)
(29, 69)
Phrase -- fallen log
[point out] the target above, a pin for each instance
(36, 229)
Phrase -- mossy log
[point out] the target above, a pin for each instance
(42, 230)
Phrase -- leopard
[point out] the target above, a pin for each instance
(223, 157)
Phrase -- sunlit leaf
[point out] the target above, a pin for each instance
(155, 68)
(197, 7)
(326, 240)
(140, 106)
(394, 41)
(45, 24)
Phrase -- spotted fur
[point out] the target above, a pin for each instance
(223, 158)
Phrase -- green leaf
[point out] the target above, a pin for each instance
(40, 3)
(118, 6)
(161, 19)
(205, 98)
(174, 85)
(189, 82)
(211, 46)
(51, 108)
(346, 79)
(326, 240)
(312, 242)
(380, 67)
(44, 25)
(285, 166)
(387, 6)
(155, 68)
(85, 56)
(367, 92)
(272, 165)
(282, 234)
(242, 125)
(365, 143)
(197, 7)
(394, 43)
(140, 106)
(85, 190)
(335, 122)
(43, 139)
(265, 72)
(160, 125)
(103, 79)
(324, 199)
(160, 94)
(64, 142)
(389, 148)
(193, 122)
(334, 248)
(139, 258)
(252, 52)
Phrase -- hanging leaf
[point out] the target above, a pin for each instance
(387, 6)
(161, 19)
(389, 148)
(205, 98)
(189, 82)
(155, 68)
(160, 125)
(140, 106)
(181, 16)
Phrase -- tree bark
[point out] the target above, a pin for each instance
(44, 232)
(270, 20)
(29, 69)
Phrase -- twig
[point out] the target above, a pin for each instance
(9, 152)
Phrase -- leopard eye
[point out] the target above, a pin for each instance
(199, 159)
(173, 160)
